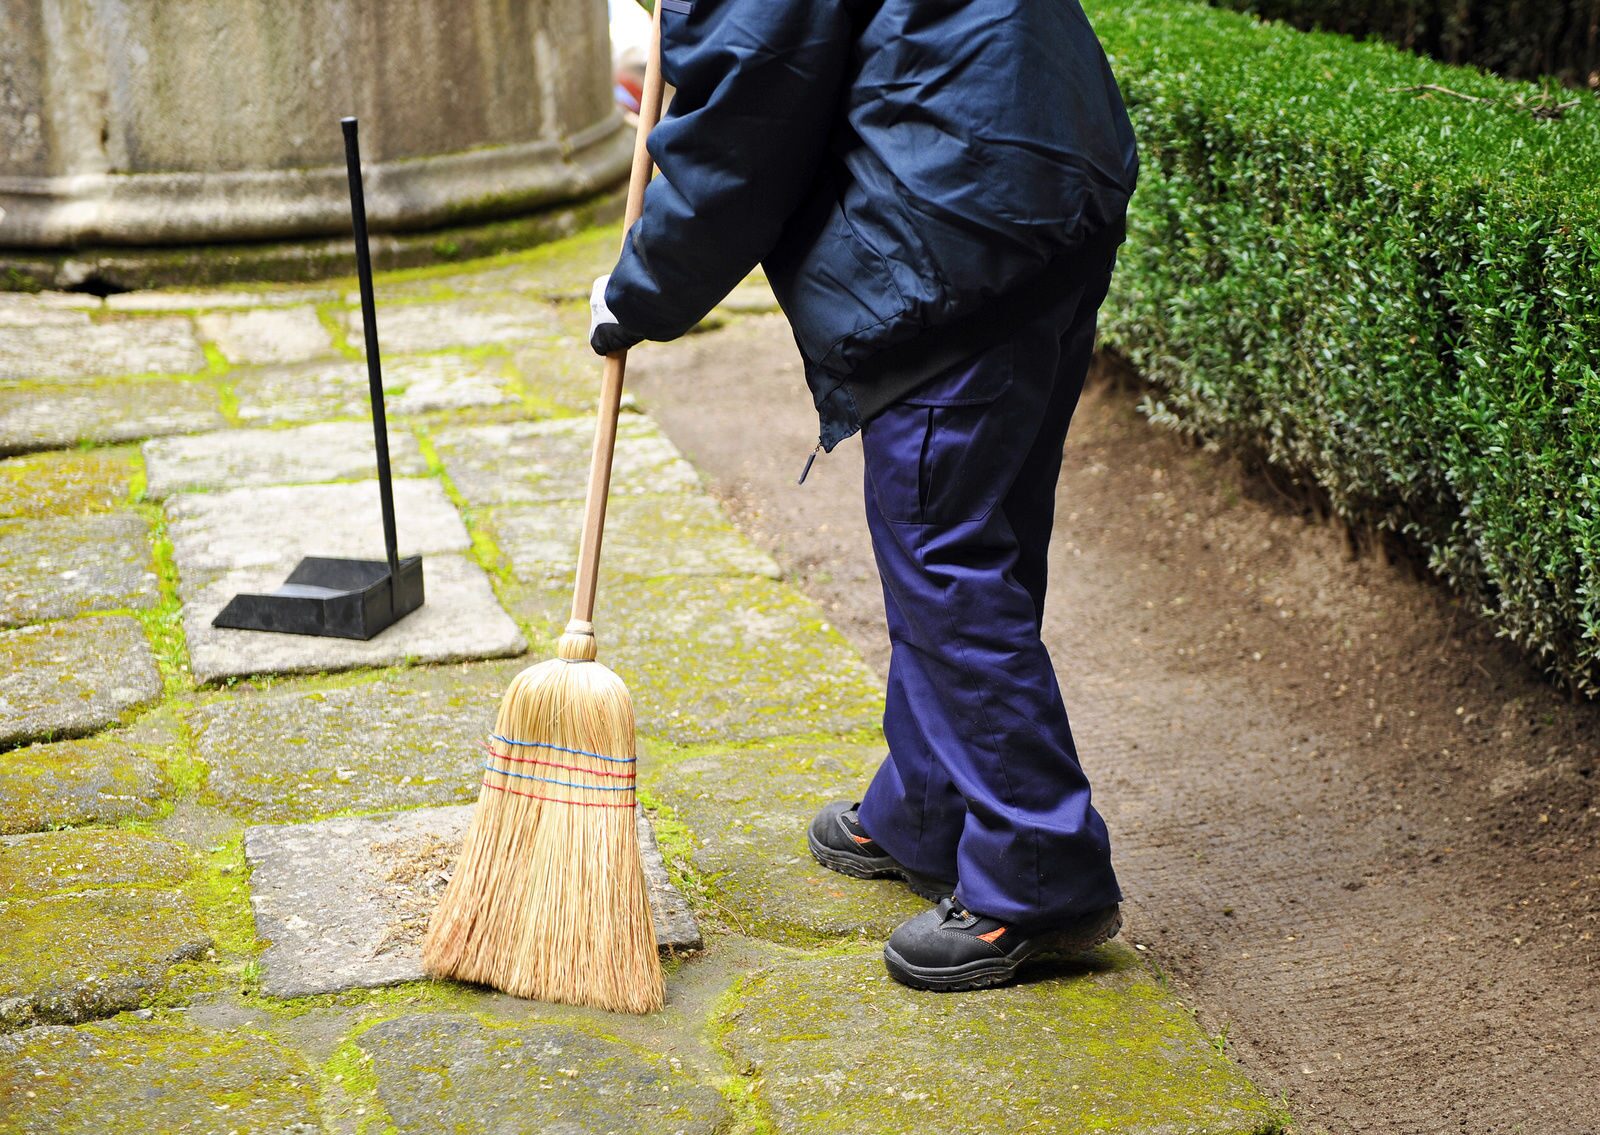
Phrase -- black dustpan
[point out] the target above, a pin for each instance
(338, 598)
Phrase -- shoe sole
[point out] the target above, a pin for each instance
(985, 973)
(857, 868)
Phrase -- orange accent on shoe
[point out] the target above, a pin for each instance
(992, 937)
(862, 838)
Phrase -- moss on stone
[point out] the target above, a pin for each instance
(383, 1003)
(717, 658)
(494, 242)
(47, 863)
(449, 1072)
(1090, 1046)
(55, 415)
(63, 566)
(98, 780)
(536, 462)
(747, 809)
(73, 957)
(471, 324)
(220, 893)
(647, 534)
(163, 622)
(73, 678)
(217, 363)
(557, 377)
(143, 1077)
(485, 552)
(712, 658)
(304, 751)
(228, 403)
(350, 1092)
(333, 318)
(68, 483)
(558, 268)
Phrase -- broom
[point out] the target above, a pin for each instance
(548, 899)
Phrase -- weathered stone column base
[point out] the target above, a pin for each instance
(117, 269)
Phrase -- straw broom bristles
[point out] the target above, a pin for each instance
(471, 933)
(549, 899)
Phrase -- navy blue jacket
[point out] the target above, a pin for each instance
(903, 169)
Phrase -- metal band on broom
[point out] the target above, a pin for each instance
(548, 899)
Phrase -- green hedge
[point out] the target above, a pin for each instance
(1392, 294)
(1523, 38)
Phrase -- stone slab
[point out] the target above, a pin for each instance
(561, 375)
(59, 567)
(103, 779)
(426, 383)
(461, 620)
(451, 1072)
(1092, 1046)
(73, 957)
(404, 740)
(157, 1077)
(161, 301)
(410, 327)
(532, 462)
(717, 658)
(344, 903)
(22, 310)
(276, 526)
(269, 335)
(677, 534)
(67, 679)
(45, 863)
(416, 384)
(236, 459)
(559, 270)
(56, 416)
(78, 348)
(66, 484)
(747, 811)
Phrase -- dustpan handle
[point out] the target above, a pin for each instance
(369, 326)
(605, 438)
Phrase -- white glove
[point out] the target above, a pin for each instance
(606, 335)
(599, 313)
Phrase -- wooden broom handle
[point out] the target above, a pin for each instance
(605, 436)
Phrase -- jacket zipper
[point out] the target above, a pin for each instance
(810, 461)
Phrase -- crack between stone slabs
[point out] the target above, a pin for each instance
(486, 553)
(740, 1087)
(101, 382)
(331, 314)
(163, 623)
(675, 842)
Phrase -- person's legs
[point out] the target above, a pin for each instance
(911, 795)
(960, 501)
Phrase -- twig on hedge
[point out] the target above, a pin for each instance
(1543, 106)
(1435, 87)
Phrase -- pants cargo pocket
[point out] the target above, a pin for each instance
(943, 455)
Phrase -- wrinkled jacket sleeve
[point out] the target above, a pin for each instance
(758, 89)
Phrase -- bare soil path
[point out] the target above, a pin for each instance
(1359, 834)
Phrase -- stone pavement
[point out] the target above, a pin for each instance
(167, 450)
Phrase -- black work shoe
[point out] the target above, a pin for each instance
(949, 949)
(840, 843)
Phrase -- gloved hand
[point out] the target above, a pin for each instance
(606, 335)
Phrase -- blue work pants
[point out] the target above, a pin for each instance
(982, 782)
